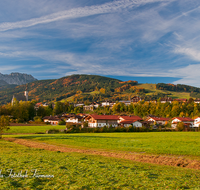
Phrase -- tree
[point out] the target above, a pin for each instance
(180, 126)
(4, 124)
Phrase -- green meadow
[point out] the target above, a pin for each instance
(79, 171)
(33, 129)
(171, 143)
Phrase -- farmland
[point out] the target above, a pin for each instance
(175, 143)
(79, 171)
(82, 170)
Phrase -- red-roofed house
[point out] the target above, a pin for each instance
(180, 100)
(102, 120)
(53, 120)
(158, 120)
(126, 121)
(137, 118)
(196, 122)
(186, 120)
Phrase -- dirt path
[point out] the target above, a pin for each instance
(155, 159)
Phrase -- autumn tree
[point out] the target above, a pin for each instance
(4, 124)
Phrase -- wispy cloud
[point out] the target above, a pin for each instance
(78, 12)
(190, 52)
(10, 68)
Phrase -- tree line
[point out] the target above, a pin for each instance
(26, 111)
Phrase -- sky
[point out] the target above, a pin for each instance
(145, 40)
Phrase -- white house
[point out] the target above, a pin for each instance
(158, 120)
(186, 120)
(74, 119)
(51, 119)
(102, 120)
(134, 123)
(126, 121)
(196, 122)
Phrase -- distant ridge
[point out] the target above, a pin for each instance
(16, 78)
(92, 88)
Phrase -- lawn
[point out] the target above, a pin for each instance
(79, 171)
(33, 129)
(175, 143)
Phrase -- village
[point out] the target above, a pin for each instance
(94, 121)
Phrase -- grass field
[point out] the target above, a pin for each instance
(79, 171)
(175, 143)
(152, 89)
(33, 129)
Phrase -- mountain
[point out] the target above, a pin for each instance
(3, 83)
(16, 78)
(90, 88)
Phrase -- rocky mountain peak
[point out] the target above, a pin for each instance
(17, 78)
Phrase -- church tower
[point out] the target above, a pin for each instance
(26, 93)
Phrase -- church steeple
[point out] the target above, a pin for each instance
(26, 93)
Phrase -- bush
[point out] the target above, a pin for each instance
(53, 131)
(180, 126)
(37, 119)
(62, 122)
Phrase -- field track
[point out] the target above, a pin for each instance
(138, 157)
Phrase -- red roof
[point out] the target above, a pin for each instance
(160, 118)
(182, 100)
(127, 121)
(131, 117)
(105, 117)
(184, 119)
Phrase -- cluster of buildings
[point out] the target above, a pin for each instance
(124, 121)
(134, 99)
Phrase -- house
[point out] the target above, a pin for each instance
(106, 103)
(133, 118)
(158, 120)
(126, 121)
(126, 102)
(186, 120)
(88, 108)
(102, 120)
(180, 100)
(91, 107)
(74, 119)
(135, 99)
(164, 100)
(53, 120)
(196, 122)
(79, 104)
(197, 101)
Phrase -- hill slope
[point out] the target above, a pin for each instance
(81, 86)
(91, 88)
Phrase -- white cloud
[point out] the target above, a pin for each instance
(78, 12)
(190, 52)
(10, 68)
(189, 75)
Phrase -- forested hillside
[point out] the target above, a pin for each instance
(76, 87)
(90, 88)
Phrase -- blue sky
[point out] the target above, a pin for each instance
(146, 40)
